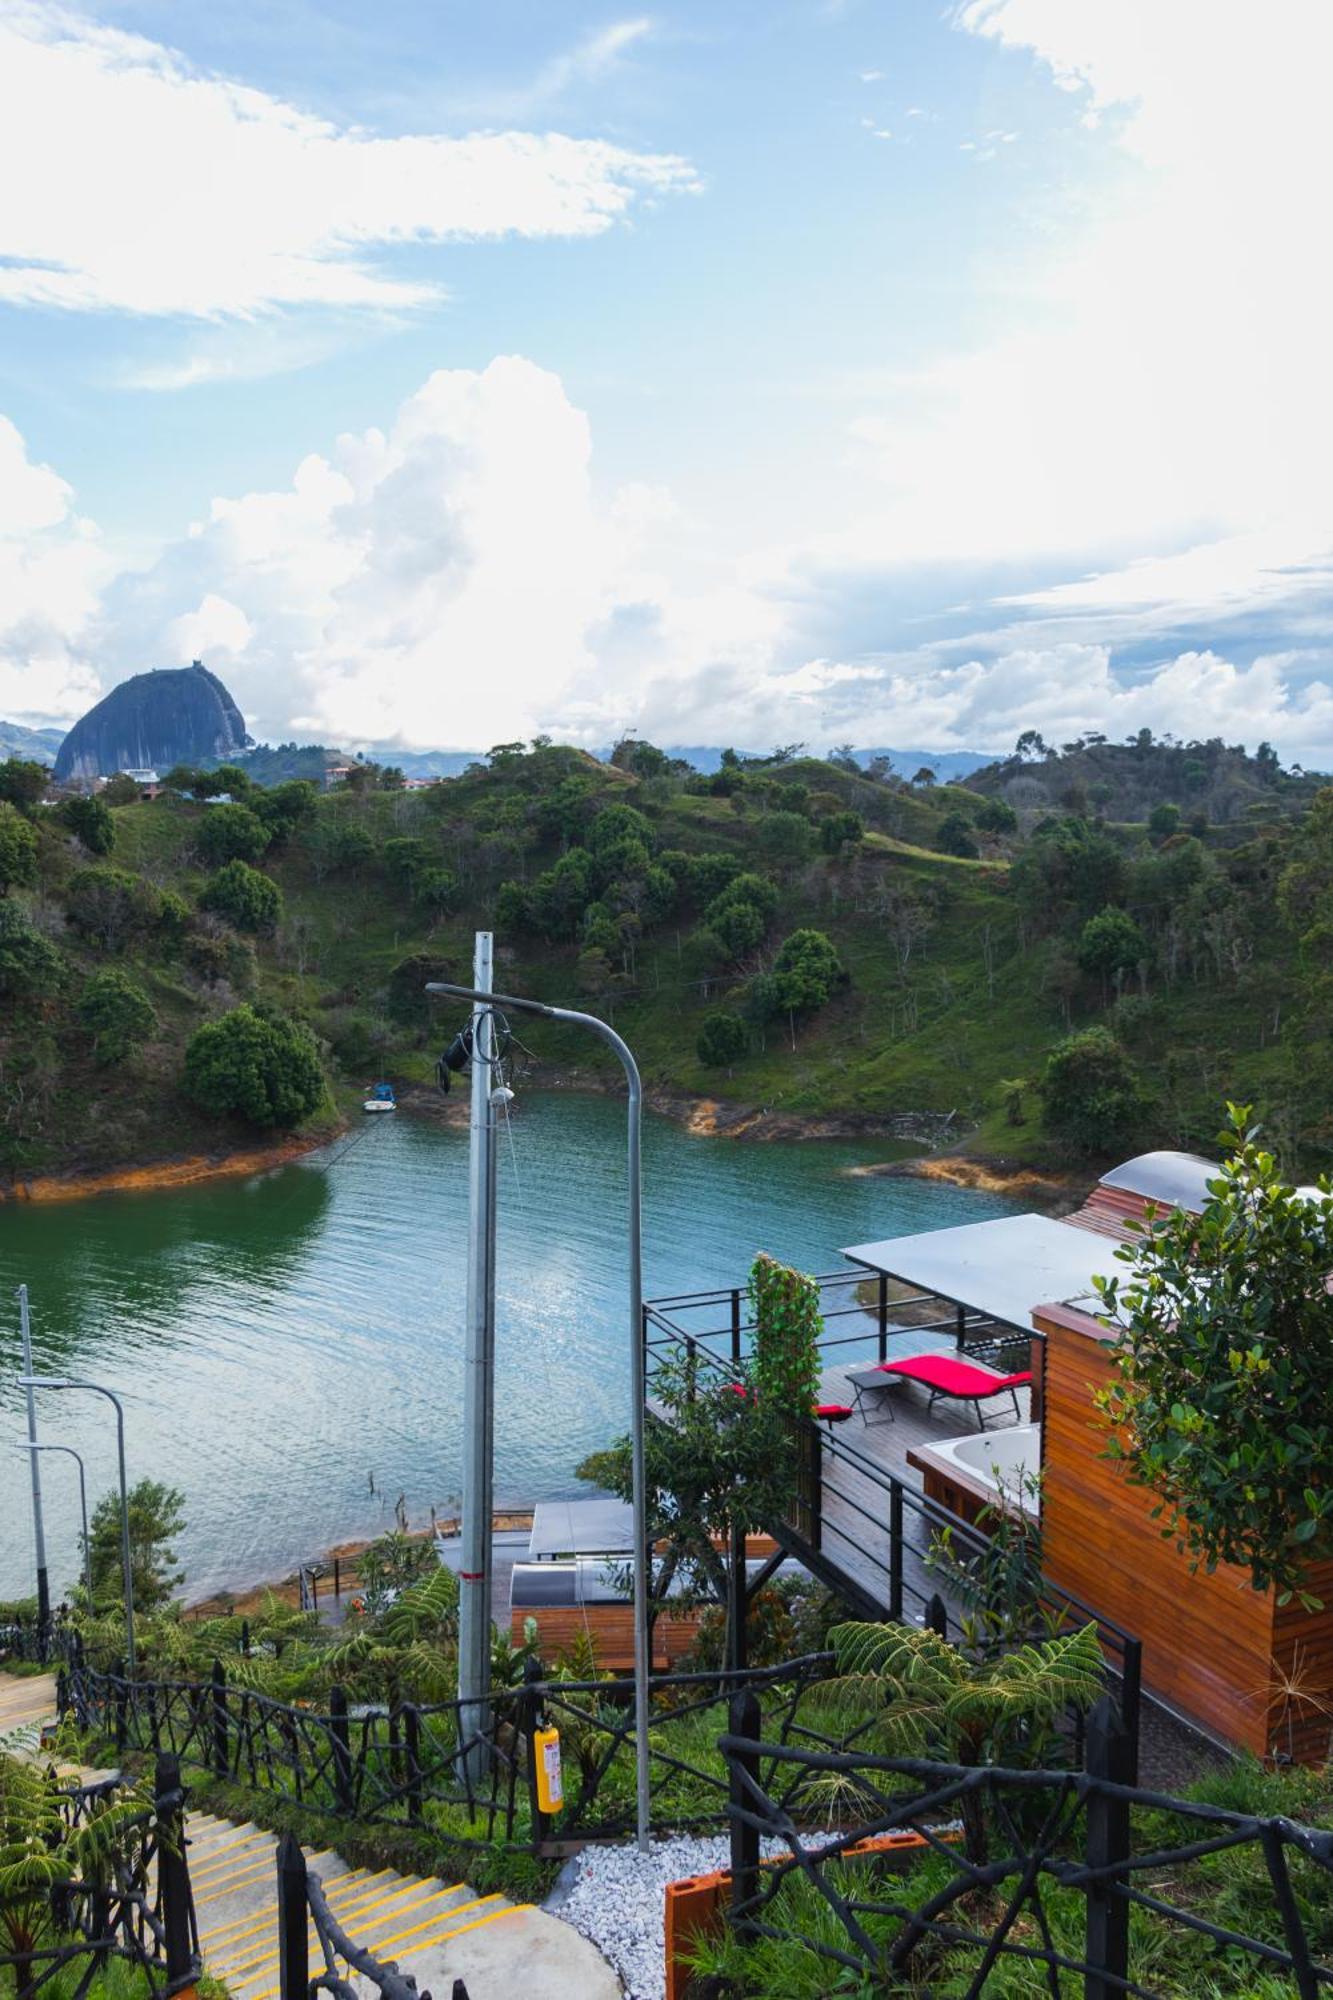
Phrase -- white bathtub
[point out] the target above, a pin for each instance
(996, 1466)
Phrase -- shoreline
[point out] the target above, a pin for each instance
(698, 1115)
(181, 1171)
(245, 1602)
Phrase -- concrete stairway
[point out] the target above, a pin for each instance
(436, 1931)
(409, 1919)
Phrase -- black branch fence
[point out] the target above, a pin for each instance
(1099, 1887)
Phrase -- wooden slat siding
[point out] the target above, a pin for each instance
(611, 1627)
(1303, 1647)
(1209, 1641)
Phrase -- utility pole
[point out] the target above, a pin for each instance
(474, 1608)
(43, 1583)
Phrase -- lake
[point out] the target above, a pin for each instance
(286, 1339)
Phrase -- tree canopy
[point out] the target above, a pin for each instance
(257, 1064)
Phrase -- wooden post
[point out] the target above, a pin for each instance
(173, 1872)
(1106, 1949)
(341, 1743)
(293, 1919)
(337, 1580)
(937, 1614)
(746, 1720)
(219, 1720)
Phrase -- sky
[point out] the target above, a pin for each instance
(757, 371)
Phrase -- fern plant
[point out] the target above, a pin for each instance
(928, 1698)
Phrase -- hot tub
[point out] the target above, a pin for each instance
(983, 1470)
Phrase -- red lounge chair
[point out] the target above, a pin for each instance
(961, 1381)
(832, 1413)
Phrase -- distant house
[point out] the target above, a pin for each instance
(335, 774)
(419, 784)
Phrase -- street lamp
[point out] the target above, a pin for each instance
(72, 1382)
(70, 1452)
(503, 1002)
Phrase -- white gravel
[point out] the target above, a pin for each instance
(617, 1898)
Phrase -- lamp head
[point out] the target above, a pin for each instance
(457, 1056)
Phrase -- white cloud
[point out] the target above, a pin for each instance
(131, 181)
(216, 627)
(1156, 373)
(50, 569)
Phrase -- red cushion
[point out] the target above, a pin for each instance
(832, 1411)
(955, 1378)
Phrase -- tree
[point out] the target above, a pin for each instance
(841, 829)
(405, 997)
(157, 1515)
(1222, 1410)
(245, 896)
(284, 808)
(230, 778)
(997, 816)
(707, 875)
(257, 1064)
(31, 968)
(513, 908)
(617, 823)
(954, 836)
(109, 905)
(925, 777)
(1110, 945)
(117, 1014)
(394, 1563)
(18, 849)
(723, 1039)
(807, 968)
(1090, 1094)
(121, 790)
(785, 838)
(90, 821)
(1163, 821)
(1029, 746)
(436, 890)
(231, 833)
(23, 782)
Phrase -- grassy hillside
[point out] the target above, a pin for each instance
(962, 968)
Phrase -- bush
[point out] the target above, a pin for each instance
(31, 968)
(90, 821)
(285, 807)
(616, 823)
(723, 1039)
(244, 896)
(117, 1013)
(405, 997)
(256, 1064)
(217, 958)
(841, 829)
(1163, 821)
(954, 836)
(231, 833)
(436, 890)
(18, 849)
(786, 838)
(707, 875)
(997, 817)
(1090, 1094)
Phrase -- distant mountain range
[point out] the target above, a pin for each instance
(43, 746)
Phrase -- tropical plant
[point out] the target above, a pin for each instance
(18, 849)
(245, 896)
(393, 1563)
(929, 1698)
(788, 1324)
(1222, 1409)
(424, 1610)
(40, 1852)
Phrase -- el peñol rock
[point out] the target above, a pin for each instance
(175, 715)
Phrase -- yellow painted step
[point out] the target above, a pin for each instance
(441, 1937)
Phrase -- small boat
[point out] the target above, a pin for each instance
(381, 1098)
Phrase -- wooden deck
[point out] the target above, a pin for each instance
(855, 1538)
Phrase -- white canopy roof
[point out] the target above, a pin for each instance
(1003, 1268)
(604, 1526)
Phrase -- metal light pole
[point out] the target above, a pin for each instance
(39, 1535)
(70, 1452)
(507, 1002)
(474, 1607)
(71, 1382)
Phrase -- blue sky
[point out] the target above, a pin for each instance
(869, 371)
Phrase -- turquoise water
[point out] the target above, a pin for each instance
(283, 1340)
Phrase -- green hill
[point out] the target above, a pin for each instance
(961, 952)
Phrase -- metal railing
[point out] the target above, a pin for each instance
(950, 1871)
(847, 1504)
